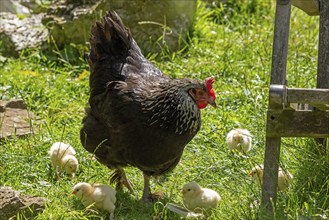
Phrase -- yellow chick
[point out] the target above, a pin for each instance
(63, 157)
(196, 198)
(101, 196)
(239, 139)
(284, 177)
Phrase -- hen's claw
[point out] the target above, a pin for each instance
(120, 179)
(147, 195)
(154, 197)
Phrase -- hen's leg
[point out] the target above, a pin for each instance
(147, 195)
(146, 190)
(119, 177)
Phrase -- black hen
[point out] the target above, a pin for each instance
(137, 116)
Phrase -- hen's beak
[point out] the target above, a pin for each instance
(213, 104)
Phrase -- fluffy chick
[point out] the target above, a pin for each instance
(284, 177)
(196, 198)
(101, 196)
(63, 157)
(239, 139)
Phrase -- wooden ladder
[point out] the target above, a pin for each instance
(284, 119)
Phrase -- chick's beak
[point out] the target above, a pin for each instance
(74, 192)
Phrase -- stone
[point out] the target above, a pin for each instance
(14, 119)
(155, 25)
(32, 5)
(17, 34)
(12, 203)
(13, 6)
(69, 23)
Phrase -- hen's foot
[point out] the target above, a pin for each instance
(154, 197)
(126, 182)
(147, 195)
(120, 179)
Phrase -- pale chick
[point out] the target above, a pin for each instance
(239, 139)
(197, 199)
(100, 196)
(284, 177)
(63, 158)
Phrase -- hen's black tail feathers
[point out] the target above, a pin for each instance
(110, 42)
(114, 54)
(108, 38)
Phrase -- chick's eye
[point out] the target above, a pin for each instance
(188, 189)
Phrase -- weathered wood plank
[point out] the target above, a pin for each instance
(323, 107)
(289, 123)
(308, 96)
(323, 53)
(278, 76)
(280, 42)
(270, 178)
(281, 97)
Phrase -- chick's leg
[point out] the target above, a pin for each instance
(57, 173)
(110, 209)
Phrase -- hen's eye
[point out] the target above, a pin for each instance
(200, 92)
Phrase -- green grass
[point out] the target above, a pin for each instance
(234, 45)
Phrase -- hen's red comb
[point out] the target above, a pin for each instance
(209, 82)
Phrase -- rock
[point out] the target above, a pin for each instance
(18, 34)
(164, 23)
(22, 6)
(13, 6)
(14, 118)
(12, 203)
(154, 24)
(69, 23)
(31, 4)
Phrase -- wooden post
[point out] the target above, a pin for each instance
(323, 53)
(278, 76)
(280, 42)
